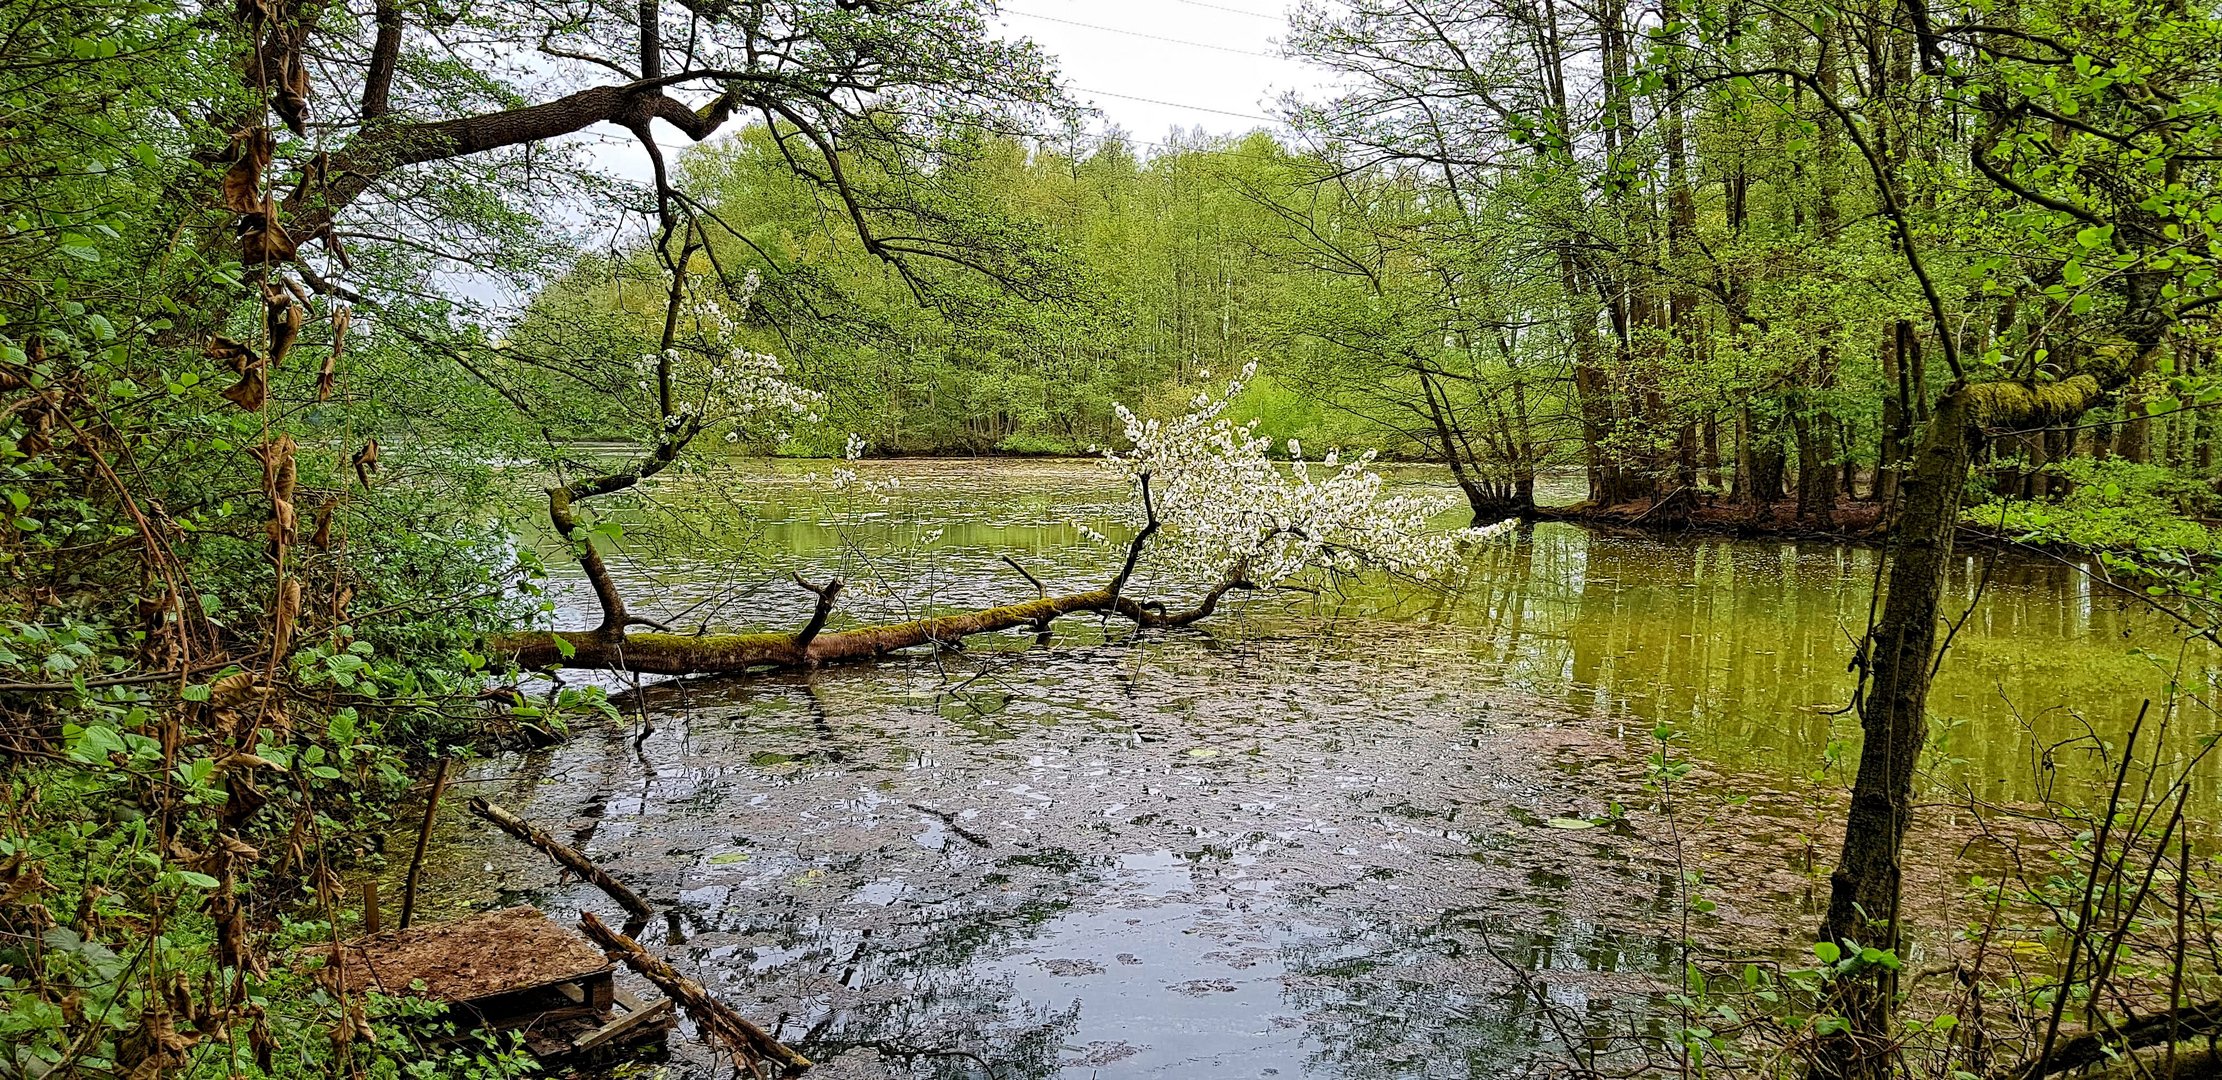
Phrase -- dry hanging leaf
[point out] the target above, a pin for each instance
(239, 356)
(264, 1043)
(366, 461)
(277, 467)
(278, 478)
(292, 99)
(280, 529)
(332, 245)
(314, 171)
(243, 181)
(37, 421)
(252, 391)
(327, 376)
(282, 619)
(282, 318)
(323, 537)
(262, 239)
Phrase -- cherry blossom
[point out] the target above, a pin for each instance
(1227, 512)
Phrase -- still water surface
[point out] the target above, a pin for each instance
(1326, 836)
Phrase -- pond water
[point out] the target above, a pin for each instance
(1373, 832)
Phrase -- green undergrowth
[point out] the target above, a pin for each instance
(2136, 512)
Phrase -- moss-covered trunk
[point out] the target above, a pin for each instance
(726, 654)
(1900, 658)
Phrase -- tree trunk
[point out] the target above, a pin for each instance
(710, 654)
(1897, 421)
(1815, 431)
(1712, 453)
(1899, 658)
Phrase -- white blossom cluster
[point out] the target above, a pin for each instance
(1228, 511)
(846, 478)
(721, 383)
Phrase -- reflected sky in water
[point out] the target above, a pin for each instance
(1326, 837)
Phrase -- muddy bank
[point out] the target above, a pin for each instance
(1851, 520)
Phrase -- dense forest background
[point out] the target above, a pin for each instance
(1671, 291)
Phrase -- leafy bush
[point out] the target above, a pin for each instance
(2112, 505)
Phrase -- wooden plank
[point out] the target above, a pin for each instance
(636, 1017)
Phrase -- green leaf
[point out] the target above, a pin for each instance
(563, 645)
(194, 878)
(1828, 951)
(92, 745)
(1570, 823)
(78, 246)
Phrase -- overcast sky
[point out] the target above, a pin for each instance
(1152, 66)
(1149, 67)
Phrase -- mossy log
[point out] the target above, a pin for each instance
(649, 653)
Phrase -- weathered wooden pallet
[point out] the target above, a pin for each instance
(513, 970)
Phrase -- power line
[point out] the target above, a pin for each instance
(1231, 11)
(1177, 105)
(1139, 34)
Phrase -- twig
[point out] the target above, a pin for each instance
(747, 1041)
(424, 838)
(562, 853)
(826, 595)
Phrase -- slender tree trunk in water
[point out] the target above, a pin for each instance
(1744, 487)
(2059, 446)
(2202, 439)
(1899, 658)
(1815, 431)
(2027, 481)
(1490, 502)
(1847, 464)
(1712, 455)
(1897, 423)
(1760, 463)
(2133, 437)
(1863, 891)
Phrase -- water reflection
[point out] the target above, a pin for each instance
(1316, 840)
(1745, 645)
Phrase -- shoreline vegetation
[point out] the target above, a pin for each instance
(1856, 518)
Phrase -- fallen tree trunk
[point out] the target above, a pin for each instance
(564, 854)
(711, 654)
(2191, 1022)
(749, 1043)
